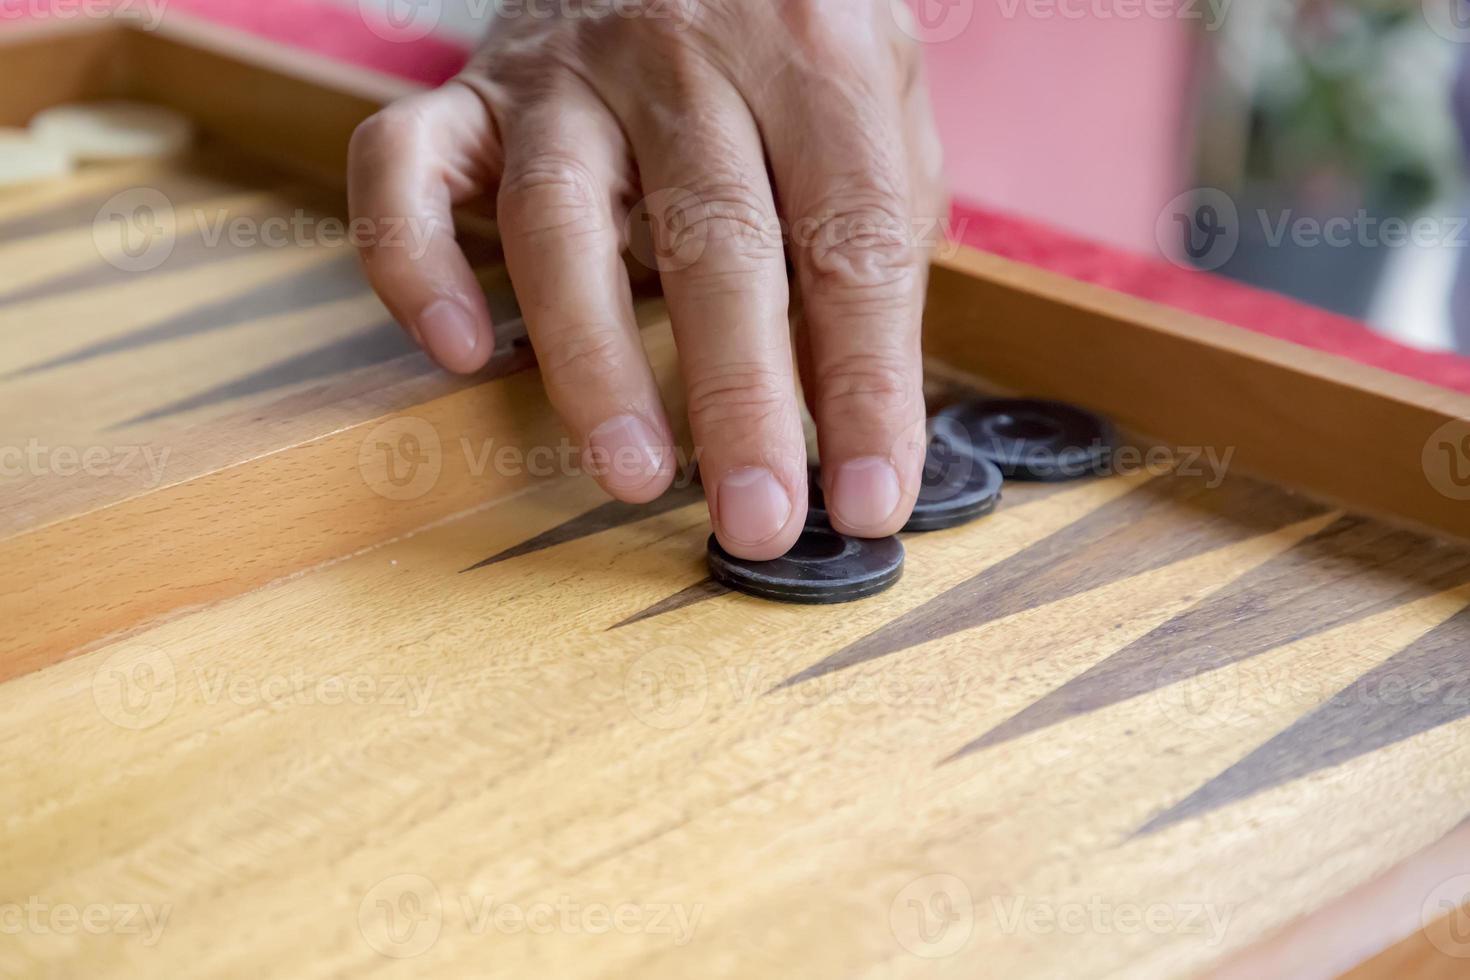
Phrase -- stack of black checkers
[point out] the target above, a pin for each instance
(973, 448)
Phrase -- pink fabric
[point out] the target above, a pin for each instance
(1205, 294)
(339, 32)
(335, 30)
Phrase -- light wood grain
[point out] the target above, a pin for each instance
(288, 107)
(1393, 926)
(1341, 430)
(60, 60)
(287, 702)
(503, 746)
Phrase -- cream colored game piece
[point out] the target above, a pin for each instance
(113, 130)
(23, 159)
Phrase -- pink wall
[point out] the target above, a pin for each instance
(1072, 120)
(1075, 122)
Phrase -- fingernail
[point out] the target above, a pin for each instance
(450, 333)
(753, 505)
(626, 454)
(865, 492)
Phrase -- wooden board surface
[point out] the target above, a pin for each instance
(166, 322)
(1121, 728)
(309, 706)
(146, 300)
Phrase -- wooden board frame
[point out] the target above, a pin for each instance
(112, 562)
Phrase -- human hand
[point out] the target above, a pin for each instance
(570, 116)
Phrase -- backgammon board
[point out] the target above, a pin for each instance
(350, 684)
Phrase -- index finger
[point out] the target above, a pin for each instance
(408, 165)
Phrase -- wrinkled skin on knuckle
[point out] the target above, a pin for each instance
(861, 247)
(551, 191)
(388, 136)
(731, 221)
(871, 386)
(748, 396)
(581, 358)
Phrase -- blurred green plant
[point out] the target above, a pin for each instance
(1344, 92)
